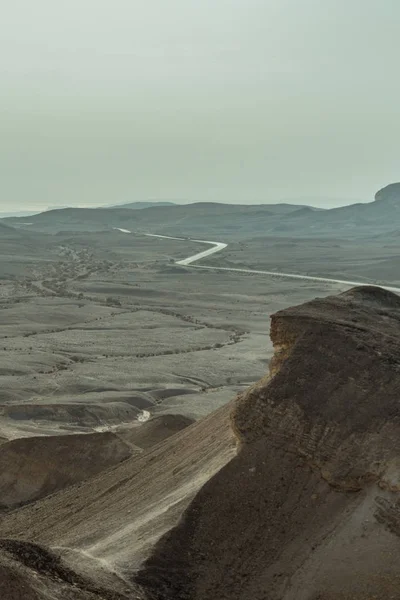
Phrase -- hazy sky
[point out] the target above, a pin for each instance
(107, 101)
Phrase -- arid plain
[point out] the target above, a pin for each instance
(136, 400)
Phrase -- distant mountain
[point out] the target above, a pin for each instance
(389, 196)
(138, 205)
(18, 213)
(6, 230)
(19, 248)
(213, 220)
(20, 239)
(378, 216)
(326, 201)
(303, 211)
(198, 219)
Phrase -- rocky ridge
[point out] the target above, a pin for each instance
(309, 507)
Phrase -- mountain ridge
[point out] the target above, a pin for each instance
(230, 220)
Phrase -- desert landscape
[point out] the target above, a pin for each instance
(200, 300)
(162, 439)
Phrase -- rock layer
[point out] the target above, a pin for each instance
(309, 508)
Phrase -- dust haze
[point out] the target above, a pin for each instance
(199, 300)
(243, 102)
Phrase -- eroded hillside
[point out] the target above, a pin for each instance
(309, 506)
(290, 493)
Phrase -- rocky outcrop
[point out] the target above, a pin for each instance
(310, 506)
(389, 194)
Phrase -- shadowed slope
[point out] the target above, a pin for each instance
(33, 467)
(31, 572)
(309, 508)
(114, 519)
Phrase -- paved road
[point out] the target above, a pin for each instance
(122, 230)
(217, 246)
(295, 276)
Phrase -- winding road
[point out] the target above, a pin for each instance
(218, 246)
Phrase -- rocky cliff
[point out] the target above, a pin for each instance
(310, 507)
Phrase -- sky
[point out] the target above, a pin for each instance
(112, 101)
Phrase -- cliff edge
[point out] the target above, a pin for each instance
(309, 508)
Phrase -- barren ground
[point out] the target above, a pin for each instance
(101, 333)
(104, 326)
